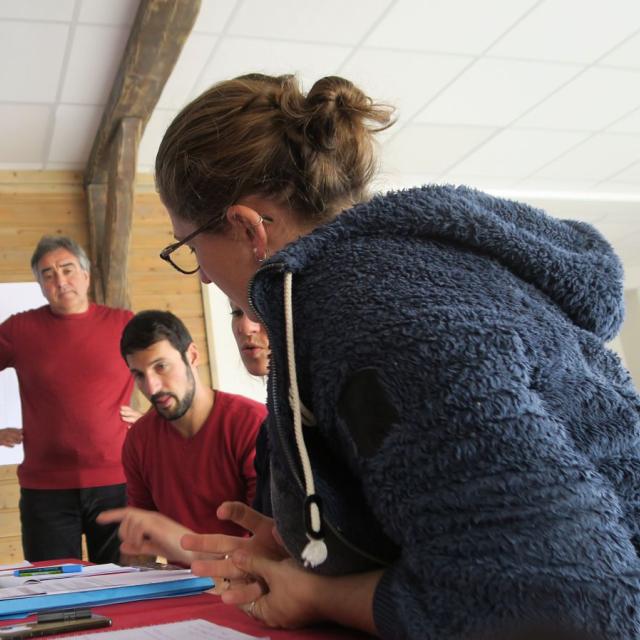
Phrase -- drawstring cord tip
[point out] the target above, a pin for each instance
(315, 553)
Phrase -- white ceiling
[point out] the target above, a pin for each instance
(535, 99)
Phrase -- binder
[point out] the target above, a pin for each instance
(22, 607)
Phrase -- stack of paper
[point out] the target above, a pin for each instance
(89, 588)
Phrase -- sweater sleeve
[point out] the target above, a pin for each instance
(502, 522)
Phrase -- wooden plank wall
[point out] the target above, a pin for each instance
(36, 203)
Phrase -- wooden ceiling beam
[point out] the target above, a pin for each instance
(157, 36)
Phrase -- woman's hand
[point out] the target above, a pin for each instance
(292, 597)
(148, 533)
(212, 552)
(10, 437)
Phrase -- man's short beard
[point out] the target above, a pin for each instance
(182, 405)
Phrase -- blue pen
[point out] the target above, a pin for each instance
(39, 571)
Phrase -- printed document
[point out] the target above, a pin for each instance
(192, 629)
(39, 587)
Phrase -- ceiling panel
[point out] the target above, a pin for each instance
(428, 149)
(23, 131)
(590, 102)
(236, 56)
(570, 30)
(213, 15)
(390, 76)
(152, 137)
(495, 92)
(570, 187)
(338, 22)
(189, 66)
(517, 153)
(627, 124)
(420, 25)
(31, 56)
(113, 12)
(74, 129)
(37, 9)
(89, 77)
(596, 159)
(484, 183)
(626, 55)
(629, 175)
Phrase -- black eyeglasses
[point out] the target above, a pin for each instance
(178, 253)
(182, 258)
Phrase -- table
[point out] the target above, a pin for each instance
(206, 606)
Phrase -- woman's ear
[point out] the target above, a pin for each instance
(248, 226)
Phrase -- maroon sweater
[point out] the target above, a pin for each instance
(72, 382)
(188, 478)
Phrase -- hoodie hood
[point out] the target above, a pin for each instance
(570, 262)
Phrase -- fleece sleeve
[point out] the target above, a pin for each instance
(501, 521)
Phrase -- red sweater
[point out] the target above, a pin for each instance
(72, 382)
(188, 478)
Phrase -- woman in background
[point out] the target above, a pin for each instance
(253, 345)
(454, 452)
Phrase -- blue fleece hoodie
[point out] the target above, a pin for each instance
(474, 435)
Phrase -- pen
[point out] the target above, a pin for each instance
(64, 614)
(39, 571)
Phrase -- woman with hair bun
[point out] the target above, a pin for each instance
(454, 452)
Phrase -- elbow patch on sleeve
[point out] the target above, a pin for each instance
(367, 410)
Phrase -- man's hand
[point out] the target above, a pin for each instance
(10, 437)
(148, 533)
(129, 414)
(212, 552)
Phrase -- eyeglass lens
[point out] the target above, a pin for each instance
(184, 258)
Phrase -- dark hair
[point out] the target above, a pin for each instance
(48, 244)
(148, 327)
(260, 135)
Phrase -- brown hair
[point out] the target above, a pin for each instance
(260, 135)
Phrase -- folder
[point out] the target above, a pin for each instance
(21, 607)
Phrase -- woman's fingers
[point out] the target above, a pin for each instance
(222, 567)
(242, 515)
(216, 544)
(241, 593)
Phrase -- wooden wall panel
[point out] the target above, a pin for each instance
(36, 203)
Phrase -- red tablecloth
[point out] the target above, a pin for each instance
(206, 606)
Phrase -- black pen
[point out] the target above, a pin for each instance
(60, 615)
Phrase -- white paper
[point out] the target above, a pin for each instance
(18, 565)
(7, 579)
(91, 583)
(192, 629)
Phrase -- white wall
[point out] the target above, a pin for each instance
(630, 334)
(227, 371)
(14, 297)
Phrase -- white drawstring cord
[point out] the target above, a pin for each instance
(315, 552)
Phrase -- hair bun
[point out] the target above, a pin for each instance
(334, 102)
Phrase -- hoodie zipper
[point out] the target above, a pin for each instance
(273, 375)
(281, 434)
